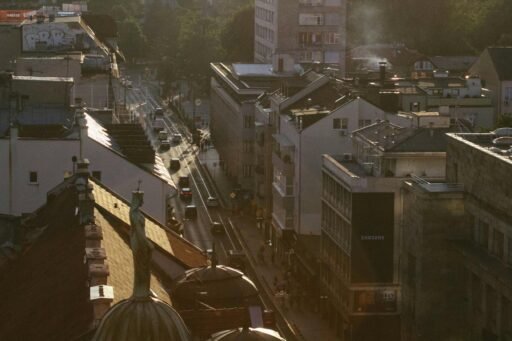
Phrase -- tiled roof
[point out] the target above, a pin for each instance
(180, 249)
(120, 261)
(44, 293)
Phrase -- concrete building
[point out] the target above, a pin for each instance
(316, 120)
(433, 304)
(482, 163)
(308, 30)
(234, 90)
(39, 135)
(361, 210)
(493, 67)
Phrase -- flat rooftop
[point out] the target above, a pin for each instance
(498, 142)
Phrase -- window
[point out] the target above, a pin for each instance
(476, 293)
(247, 170)
(508, 96)
(248, 146)
(509, 250)
(311, 19)
(497, 243)
(96, 175)
(483, 234)
(506, 316)
(248, 121)
(32, 177)
(339, 123)
(364, 123)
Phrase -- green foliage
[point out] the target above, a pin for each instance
(434, 26)
(237, 36)
(131, 40)
(504, 121)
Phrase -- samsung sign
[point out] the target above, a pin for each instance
(372, 237)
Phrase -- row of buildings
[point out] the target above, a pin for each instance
(78, 260)
(354, 180)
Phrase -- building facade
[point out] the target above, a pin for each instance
(360, 224)
(309, 30)
(481, 162)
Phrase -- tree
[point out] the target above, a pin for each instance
(237, 36)
(131, 40)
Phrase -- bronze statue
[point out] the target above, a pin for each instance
(141, 248)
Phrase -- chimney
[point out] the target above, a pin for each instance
(93, 236)
(84, 191)
(101, 297)
(382, 72)
(95, 255)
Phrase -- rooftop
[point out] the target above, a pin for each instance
(390, 137)
(498, 143)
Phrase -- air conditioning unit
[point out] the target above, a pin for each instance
(347, 157)
(343, 132)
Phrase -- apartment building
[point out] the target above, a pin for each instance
(234, 90)
(316, 120)
(361, 209)
(308, 30)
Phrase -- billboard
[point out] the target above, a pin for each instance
(15, 15)
(382, 300)
(372, 237)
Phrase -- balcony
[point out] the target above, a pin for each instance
(284, 223)
(310, 3)
(283, 162)
(286, 199)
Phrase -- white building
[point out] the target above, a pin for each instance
(315, 121)
(36, 157)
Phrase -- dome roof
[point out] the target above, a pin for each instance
(247, 334)
(223, 287)
(148, 319)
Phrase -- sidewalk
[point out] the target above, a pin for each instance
(308, 323)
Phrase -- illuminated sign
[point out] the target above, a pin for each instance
(375, 301)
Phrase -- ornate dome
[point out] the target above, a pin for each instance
(247, 334)
(147, 319)
(219, 286)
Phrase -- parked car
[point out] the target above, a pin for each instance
(217, 228)
(212, 202)
(190, 211)
(174, 164)
(176, 138)
(183, 181)
(186, 193)
(165, 144)
(158, 112)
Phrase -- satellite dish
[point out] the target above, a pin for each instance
(198, 102)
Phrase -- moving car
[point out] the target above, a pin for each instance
(217, 228)
(174, 164)
(190, 211)
(183, 181)
(186, 193)
(158, 125)
(236, 259)
(162, 135)
(176, 138)
(165, 144)
(212, 202)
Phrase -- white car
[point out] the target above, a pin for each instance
(212, 202)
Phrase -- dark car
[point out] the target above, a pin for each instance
(190, 211)
(186, 193)
(236, 259)
(183, 181)
(174, 164)
(217, 228)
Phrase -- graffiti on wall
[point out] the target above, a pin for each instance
(54, 36)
